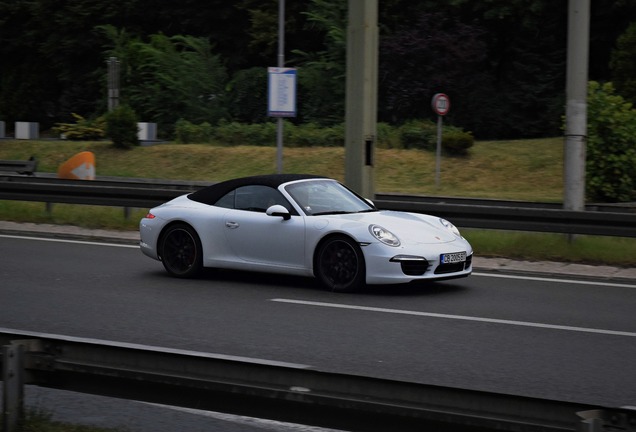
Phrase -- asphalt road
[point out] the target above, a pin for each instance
(539, 337)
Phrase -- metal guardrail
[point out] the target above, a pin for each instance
(275, 390)
(26, 167)
(602, 220)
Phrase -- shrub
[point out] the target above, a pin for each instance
(234, 133)
(387, 136)
(313, 135)
(187, 133)
(121, 127)
(456, 142)
(418, 134)
(83, 129)
(611, 146)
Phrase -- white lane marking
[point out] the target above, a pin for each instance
(70, 241)
(265, 424)
(458, 317)
(546, 279)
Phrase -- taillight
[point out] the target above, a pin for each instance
(150, 216)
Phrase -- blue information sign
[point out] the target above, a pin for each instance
(281, 92)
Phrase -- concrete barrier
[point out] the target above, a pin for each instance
(27, 130)
(147, 131)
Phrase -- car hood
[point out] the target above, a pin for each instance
(410, 228)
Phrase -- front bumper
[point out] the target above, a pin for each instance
(387, 267)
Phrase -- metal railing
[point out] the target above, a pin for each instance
(274, 390)
(603, 220)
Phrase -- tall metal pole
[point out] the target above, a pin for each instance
(576, 105)
(438, 152)
(281, 63)
(361, 99)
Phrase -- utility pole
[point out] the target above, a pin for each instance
(361, 98)
(576, 105)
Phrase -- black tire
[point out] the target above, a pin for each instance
(181, 252)
(339, 264)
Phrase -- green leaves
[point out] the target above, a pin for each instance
(173, 77)
(611, 146)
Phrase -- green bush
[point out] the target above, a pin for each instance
(387, 136)
(611, 146)
(260, 134)
(233, 133)
(189, 133)
(456, 142)
(418, 134)
(83, 129)
(121, 127)
(313, 135)
(264, 134)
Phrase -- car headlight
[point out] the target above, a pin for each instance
(384, 235)
(449, 226)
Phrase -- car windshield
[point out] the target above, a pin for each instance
(322, 197)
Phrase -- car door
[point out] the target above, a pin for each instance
(257, 238)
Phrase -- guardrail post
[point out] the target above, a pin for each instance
(13, 386)
(591, 425)
(608, 419)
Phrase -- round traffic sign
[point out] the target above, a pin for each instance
(440, 104)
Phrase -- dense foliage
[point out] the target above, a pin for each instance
(611, 152)
(121, 127)
(502, 62)
(623, 64)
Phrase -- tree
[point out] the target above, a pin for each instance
(322, 73)
(170, 78)
(623, 64)
(247, 95)
(434, 54)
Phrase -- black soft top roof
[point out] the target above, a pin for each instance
(211, 194)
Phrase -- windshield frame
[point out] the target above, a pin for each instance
(326, 197)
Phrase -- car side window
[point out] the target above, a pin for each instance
(255, 198)
(226, 201)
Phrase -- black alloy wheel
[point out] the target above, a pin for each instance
(340, 264)
(181, 253)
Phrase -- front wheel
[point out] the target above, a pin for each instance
(340, 264)
(181, 252)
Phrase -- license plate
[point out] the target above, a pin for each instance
(451, 258)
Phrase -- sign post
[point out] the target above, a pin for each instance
(441, 106)
(281, 102)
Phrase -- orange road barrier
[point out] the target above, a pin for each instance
(79, 167)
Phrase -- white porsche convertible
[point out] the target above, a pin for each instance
(302, 225)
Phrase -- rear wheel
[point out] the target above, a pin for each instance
(340, 264)
(181, 252)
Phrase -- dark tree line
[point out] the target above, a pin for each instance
(502, 62)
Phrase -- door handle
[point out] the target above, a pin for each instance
(231, 225)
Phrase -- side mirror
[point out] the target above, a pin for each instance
(278, 210)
